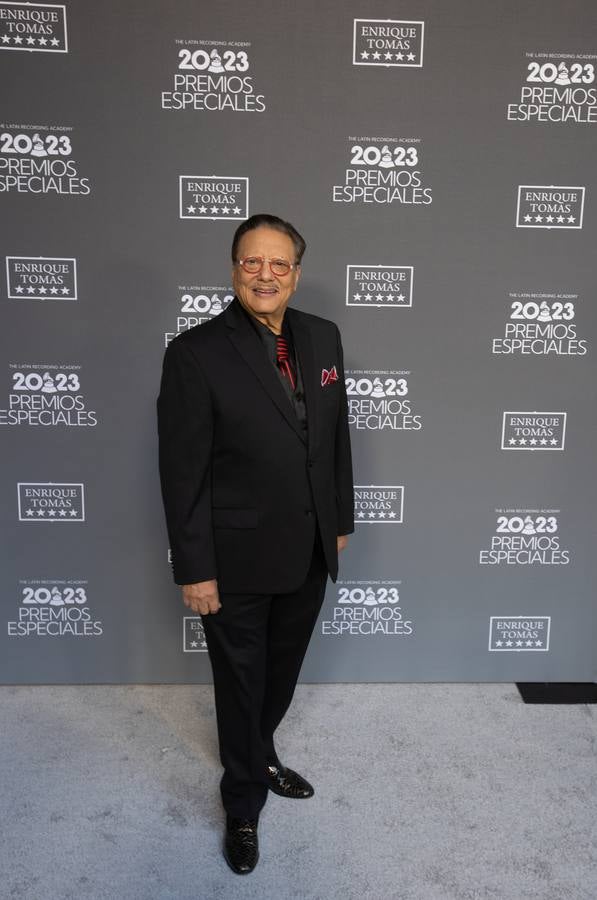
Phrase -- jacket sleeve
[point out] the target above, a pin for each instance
(343, 457)
(185, 431)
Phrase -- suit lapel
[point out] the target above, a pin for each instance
(248, 344)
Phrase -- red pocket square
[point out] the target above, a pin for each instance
(328, 376)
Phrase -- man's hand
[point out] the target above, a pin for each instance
(202, 597)
(341, 541)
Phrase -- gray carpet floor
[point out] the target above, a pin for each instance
(423, 792)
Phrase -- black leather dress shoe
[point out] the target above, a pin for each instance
(241, 847)
(288, 783)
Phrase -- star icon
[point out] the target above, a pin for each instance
(54, 42)
(368, 298)
(191, 209)
(193, 643)
(387, 55)
(5, 39)
(54, 290)
(42, 42)
(43, 290)
(214, 210)
(522, 442)
(64, 290)
(73, 513)
(538, 218)
(560, 219)
(236, 210)
(519, 643)
(379, 298)
(533, 441)
(202, 209)
(40, 513)
(371, 515)
(52, 513)
(508, 643)
(204, 643)
(29, 512)
(512, 441)
(553, 442)
(62, 513)
(382, 515)
(399, 56)
(18, 40)
(538, 643)
(543, 442)
(411, 57)
(19, 289)
(401, 298)
(225, 210)
(571, 219)
(376, 55)
(549, 218)
(30, 40)
(360, 514)
(30, 289)
(527, 218)
(356, 296)
(364, 55)
(391, 515)
(498, 643)
(529, 643)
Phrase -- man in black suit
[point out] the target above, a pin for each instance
(256, 477)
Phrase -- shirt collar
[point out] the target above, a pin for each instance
(264, 330)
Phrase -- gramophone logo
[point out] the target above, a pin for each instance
(197, 305)
(36, 27)
(526, 537)
(212, 78)
(555, 90)
(387, 42)
(542, 323)
(366, 608)
(46, 395)
(380, 400)
(383, 170)
(38, 159)
(54, 608)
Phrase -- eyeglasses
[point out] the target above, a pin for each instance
(254, 264)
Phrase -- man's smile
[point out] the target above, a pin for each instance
(265, 292)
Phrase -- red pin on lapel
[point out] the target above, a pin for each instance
(328, 376)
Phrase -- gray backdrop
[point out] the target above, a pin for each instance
(439, 159)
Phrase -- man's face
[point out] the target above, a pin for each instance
(265, 294)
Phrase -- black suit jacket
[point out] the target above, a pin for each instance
(242, 486)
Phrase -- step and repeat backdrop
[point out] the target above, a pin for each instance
(439, 158)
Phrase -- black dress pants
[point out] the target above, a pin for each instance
(256, 645)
